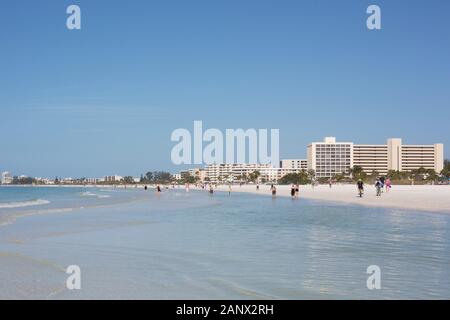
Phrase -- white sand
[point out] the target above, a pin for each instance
(425, 197)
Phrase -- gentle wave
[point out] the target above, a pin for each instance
(20, 204)
(90, 194)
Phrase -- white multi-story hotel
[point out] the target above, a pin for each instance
(329, 158)
(399, 157)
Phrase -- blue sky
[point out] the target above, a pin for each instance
(105, 99)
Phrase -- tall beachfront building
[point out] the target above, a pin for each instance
(329, 157)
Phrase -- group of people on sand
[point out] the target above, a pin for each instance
(380, 184)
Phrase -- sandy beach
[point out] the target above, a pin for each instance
(431, 198)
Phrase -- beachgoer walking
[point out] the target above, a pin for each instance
(382, 179)
(378, 186)
(388, 184)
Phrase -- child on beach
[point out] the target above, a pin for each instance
(388, 184)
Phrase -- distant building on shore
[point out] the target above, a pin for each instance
(329, 157)
(294, 164)
(114, 178)
(6, 178)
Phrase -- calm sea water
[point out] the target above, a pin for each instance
(135, 244)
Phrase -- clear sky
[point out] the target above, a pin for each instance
(105, 99)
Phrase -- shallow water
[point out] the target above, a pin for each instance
(194, 246)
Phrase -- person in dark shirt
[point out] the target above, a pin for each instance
(360, 185)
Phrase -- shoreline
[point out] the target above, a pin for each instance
(428, 198)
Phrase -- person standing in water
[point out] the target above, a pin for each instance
(292, 191)
(229, 189)
(274, 191)
(257, 187)
(158, 188)
(297, 190)
(211, 190)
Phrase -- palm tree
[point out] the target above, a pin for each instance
(311, 175)
(357, 173)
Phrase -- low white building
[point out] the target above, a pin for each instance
(6, 178)
(294, 164)
(114, 178)
(236, 172)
